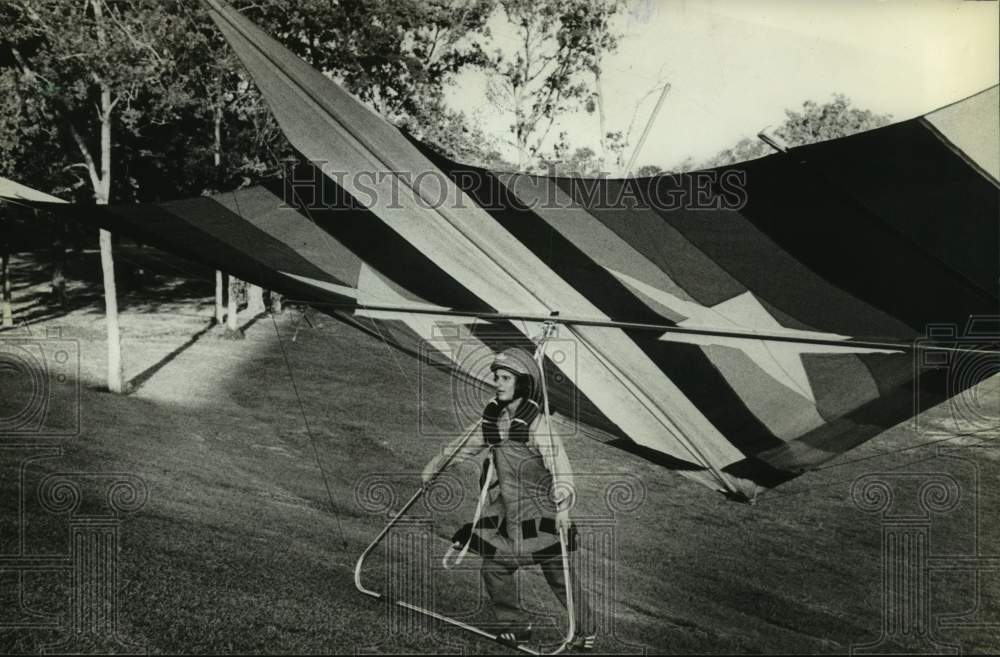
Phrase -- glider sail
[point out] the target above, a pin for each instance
(833, 247)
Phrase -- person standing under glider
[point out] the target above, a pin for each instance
(530, 492)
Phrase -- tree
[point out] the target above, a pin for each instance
(814, 123)
(224, 136)
(648, 171)
(599, 19)
(233, 331)
(212, 74)
(230, 138)
(395, 56)
(219, 299)
(92, 66)
(58, 285)
(559, 42)
(255, 300)
(745, 149)
(828, 121)
(5, 302)
(275, 302)
(586, 162)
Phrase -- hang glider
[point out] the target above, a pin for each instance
(787, 288)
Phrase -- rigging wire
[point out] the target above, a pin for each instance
(328, 239)
(284, 354)
(312, 439)
(414, 385)
(377, 156)
(628, 325)
(302, 410)
(301, 205)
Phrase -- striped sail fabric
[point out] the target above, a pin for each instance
(875, 236)
(819, 242)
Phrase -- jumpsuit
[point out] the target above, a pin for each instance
(517, 527)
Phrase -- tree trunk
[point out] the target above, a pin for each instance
(219, 308)
(255, 300)
(8, 315)
(115, 376)
(115, 367)
(602, 119)
(520, 136)
(58, 285)
(217, 160)
(217, 146)
(102, 194)
(231, 320)
(233, 331)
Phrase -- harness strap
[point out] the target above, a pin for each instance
(519, 426)
(555, 550)
(445, 561)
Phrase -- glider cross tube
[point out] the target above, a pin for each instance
(568, 320)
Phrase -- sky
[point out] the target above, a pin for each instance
(734, 66)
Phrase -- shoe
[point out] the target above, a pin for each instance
(583, 643)
(515, 637)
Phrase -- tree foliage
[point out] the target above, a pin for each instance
(185, 118)
(815, 122)
(223, 135)
(547, 72)
(88, 76)
(398, 57)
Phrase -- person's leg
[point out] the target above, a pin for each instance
(552, 568)
(499, 580)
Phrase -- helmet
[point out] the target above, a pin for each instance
(515, 360)
(522, 364)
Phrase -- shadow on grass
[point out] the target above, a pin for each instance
(43, 306)
(147, 280)
(140, 379)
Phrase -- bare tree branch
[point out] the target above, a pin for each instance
(136, 42)
(87, 157)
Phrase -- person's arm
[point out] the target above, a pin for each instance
(472, 448)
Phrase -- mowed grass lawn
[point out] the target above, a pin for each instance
(268, 465)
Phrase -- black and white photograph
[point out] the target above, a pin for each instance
(499, 326)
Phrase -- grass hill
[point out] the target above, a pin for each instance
(268, 465)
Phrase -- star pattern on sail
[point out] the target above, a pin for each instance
(782, 361)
